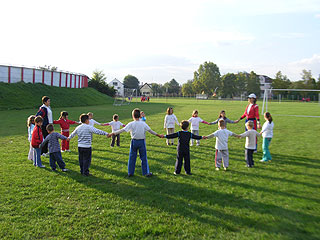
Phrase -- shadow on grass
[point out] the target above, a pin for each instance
(191, 202)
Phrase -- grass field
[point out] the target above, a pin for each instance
(276, 200)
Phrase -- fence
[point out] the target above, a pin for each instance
(14, 74)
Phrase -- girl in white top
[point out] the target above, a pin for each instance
(267, 134)
(30, 125)
(169, 122)
(115, 126)
(195, 120)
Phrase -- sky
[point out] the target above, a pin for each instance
(160, 40)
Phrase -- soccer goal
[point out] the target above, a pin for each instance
(268, 94)
(126, 99)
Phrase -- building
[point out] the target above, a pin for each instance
(118, 86)
(15, 74)
(146, 90)
(265, 83)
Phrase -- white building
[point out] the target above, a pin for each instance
(146, 90)
(265, 83)
(118, 86)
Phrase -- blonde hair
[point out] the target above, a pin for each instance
(90, 114)
(250, 124)
(221, 123)
(195, 112)
(30, 120)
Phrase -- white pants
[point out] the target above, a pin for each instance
(195, 132)
(31, 150)
(222, 155)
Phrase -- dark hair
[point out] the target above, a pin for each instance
(222, 111)
(194, 112)
(168, 110)
(268, 116)
(83, 118)
(136, 113)
(222, 123)
(184, 124)
(38, 119)
(50, 127)
(45, 99)
(115, 116)
(30, 120)
(63, 114)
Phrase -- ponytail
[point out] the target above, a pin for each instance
(268, 116)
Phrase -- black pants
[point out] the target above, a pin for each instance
(180, 157)
(44, 149)
(56, 157)
(249, 157)
(114, 138)
(84, 159)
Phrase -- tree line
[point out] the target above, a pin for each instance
(208, 80)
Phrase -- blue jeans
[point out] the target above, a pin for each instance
(134, 147)
(37, 157)
(84, 159)
(56, 157)
(265, 148)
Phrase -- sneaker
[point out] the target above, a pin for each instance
(62, 151)
(217, 169)
(149, 174)
(130, 175)
(198, 144)
(191, 144)
(225, 168)
(111, 146)
(171, 143)
(42, 166)
(189, 173)
(64, 170)
(175, 173)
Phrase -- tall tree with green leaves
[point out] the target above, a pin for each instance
(253, 84)
(131, 82)
(228, 85)
(98, 82)
(187, 88)
(281, 82)
(307, 78)
(207, 78)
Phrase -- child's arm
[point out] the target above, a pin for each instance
(72, 122)
(196, 136)
(62, 137)
(176, 120)
(242, 135)
(165, 122)
(56, 121)
(214, 122)
(211, 135)
(172, 135)
(72, 134)
(44, 142)
(98, 131)
(231, 121)
(204, 122)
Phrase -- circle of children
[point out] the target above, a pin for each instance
(44, 140)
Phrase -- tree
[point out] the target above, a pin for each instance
(281, 82)
(98, 82)
(49, 68)
(156, 88)
(253, 84)
(309, 81)
(173, 86)
(241, 83)
(207, 78)
(228, 85)
(187, 88)
(130, 81)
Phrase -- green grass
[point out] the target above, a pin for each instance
(277, 200)
(27, 95)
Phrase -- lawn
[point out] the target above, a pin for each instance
(276, 200)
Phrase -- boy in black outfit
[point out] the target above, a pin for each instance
(183, 149)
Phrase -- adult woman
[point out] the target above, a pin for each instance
(46, 113)
(252, 112)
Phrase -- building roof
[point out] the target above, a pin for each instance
(147, 85)
(116, 80)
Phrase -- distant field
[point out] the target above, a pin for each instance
(277, 200)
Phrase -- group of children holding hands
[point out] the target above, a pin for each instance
(138, 128)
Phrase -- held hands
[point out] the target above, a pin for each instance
(236, 121)
(68, 139)
(204, 137)
(110, 135)
(259, 126)
(160, 135)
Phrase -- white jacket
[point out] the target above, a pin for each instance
(170, 120)
(267, 130)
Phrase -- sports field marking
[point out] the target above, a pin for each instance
(284, 115)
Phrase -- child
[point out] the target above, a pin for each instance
(169, 122)
(183, 149)
(267, 134)
(30, 125)
(65, 125)
(251, 142)
(54, 148)
(195, 120)
(137, 129)
(92, 122)
(36, 140)
(143, 116)
(84, 132)
(115, 126)
(221, 146)
(223, 116)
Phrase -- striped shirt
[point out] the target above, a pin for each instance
(84, 132)
(53, 142)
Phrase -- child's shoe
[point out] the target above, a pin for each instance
(225, 169)
(42, 166)
(217, 169)
(189, 173)
(64, 170)
(62, 151)
(149, 174)
(198, 144)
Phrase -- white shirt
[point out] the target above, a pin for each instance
(267, 129)
(92, 122)
(115, 125)
(170, 120)
(251, 139)
(195, 122)
(248, 109)
(49, 113)
(137, 130)
(222, 136)
(84, 132)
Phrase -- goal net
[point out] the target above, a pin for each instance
(126, 99)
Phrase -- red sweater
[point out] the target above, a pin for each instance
(37, 137)
(64, 124)
(253, 113)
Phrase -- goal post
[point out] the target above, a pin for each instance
(126, 99)
(268, 92)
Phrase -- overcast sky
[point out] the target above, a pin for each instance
(160, 40)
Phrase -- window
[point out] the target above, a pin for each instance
(115, 84)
